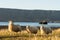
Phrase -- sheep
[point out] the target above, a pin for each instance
(45, 30)
(31, 29)
(12, 27)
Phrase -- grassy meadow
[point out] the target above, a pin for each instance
(6, 35)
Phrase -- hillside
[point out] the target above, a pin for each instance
(28, 15)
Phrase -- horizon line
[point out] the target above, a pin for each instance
(31, 9)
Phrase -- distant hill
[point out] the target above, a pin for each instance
(20, 15)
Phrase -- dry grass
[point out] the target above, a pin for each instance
(6, 35)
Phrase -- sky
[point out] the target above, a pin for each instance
(31, 4)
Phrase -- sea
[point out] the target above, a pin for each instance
(32, 24)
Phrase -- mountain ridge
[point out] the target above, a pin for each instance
(22, 15)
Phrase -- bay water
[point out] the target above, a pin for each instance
(32, 24)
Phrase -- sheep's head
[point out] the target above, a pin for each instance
(27, 27)
(41, 27)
